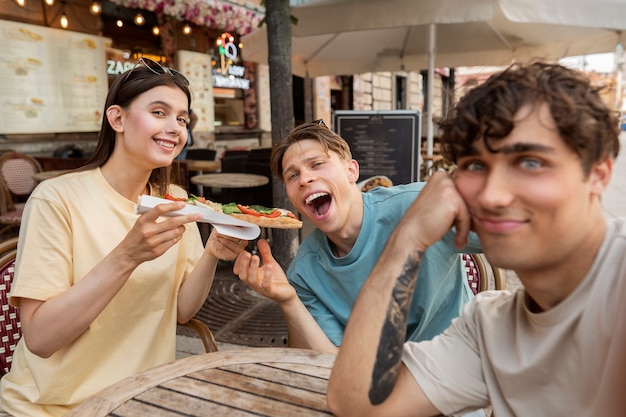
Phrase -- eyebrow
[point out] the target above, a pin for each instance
(517, 148)
(306, 161)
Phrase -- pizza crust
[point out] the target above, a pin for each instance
(282, 222)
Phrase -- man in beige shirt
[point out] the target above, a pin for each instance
(534, 148)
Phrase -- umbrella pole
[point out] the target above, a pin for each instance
(430, 93)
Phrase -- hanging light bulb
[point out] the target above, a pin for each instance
(21, 3)
(119, 23)
(139, 19)
(156, 30)
(64, 21)
(95, 8)
(187, 29)
(49, 2)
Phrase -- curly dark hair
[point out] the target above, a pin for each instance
(329, 140)
(584, 121)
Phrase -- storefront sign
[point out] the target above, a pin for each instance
(226, 74)
(120, 61)
(117, 67)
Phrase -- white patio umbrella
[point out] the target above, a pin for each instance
(334, 37)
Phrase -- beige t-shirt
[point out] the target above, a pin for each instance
(527, 364)
(70, 224)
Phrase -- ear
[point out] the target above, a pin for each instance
(114, 116)
(353, 171)
(600, 176)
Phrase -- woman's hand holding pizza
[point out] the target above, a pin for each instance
(268, 280)
(149, 238)
(224, 247)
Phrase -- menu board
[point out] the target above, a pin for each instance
(51, 80)
(383, 142)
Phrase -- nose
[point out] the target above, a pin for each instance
(306, 177)
(496, 191)
(174, 127)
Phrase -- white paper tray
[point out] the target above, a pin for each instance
(223, 223)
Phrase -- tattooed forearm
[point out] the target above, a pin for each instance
(387, 364)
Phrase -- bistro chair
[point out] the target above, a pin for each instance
(16, 174)
(10, 326)
(16, 184)
(477, 273)
(10, 220)
(198, 154)
(204, 332)
(203, 154)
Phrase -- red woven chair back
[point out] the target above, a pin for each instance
(10, 326)
(472, 272)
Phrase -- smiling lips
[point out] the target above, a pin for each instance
(165, 144)
(499, 226)
(318, 203)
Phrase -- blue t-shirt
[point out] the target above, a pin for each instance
(328, 286)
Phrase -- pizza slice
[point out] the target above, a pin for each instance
(275, 218)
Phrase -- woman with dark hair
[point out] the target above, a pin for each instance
(99, 287)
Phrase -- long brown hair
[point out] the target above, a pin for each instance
(124, 90)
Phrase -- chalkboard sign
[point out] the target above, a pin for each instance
(383, 142)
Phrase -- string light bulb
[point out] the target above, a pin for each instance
(155, 30)
(95, 8)
(21, 3)
(139, 19)
(64, 22)
(187, 29)
(49, 2)
(119, 23)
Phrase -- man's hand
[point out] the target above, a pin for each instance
(438, 208)
(268, 280)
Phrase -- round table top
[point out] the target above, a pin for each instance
(202, 165)
(250, 382)
(230, 180)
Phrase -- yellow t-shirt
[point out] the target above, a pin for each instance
(69, 225)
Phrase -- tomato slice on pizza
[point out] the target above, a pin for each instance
(276, 218)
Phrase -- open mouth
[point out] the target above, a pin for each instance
(318, 204)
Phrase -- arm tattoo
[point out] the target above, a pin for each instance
(387, 364)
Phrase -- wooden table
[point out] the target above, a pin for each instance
(235, 383)
(44, 175)
(230, 180)
(202, 165)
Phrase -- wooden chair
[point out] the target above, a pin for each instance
(204, 332)
(10, 326)
(478, 274)
(10, 218)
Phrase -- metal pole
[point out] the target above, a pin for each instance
(430, 93)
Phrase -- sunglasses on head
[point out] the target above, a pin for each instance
(320, 122)
(156, 68)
